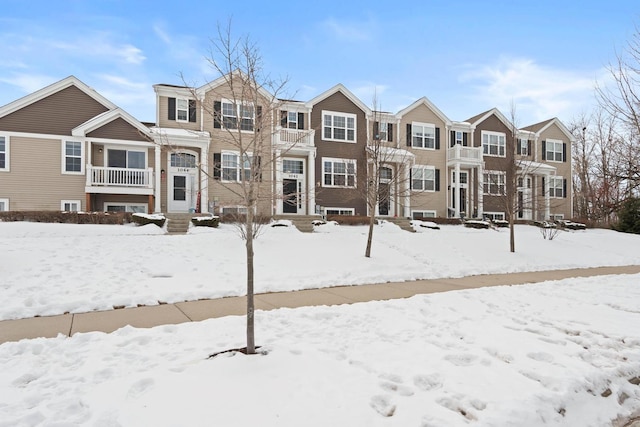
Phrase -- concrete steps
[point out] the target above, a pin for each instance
(301, 222)
(178, 223)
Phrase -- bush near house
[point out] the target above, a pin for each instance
(206, 221)
(144, 219)
(118, 218)
(349, 219)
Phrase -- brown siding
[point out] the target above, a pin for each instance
(56, 114)
(339, 197)
(118, 129)
(36, 181)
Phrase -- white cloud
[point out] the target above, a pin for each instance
(28, 83)
(366, 92)
(99, 44)
(137, 98)
(349, 31)
(538, 92)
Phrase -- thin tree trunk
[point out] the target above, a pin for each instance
(251, 347)
(367, 252)
(512, 235)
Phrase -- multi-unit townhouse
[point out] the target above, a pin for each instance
(66, 147)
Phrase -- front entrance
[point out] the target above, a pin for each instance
(293, 186)
(462, 202)
(182, 182)
(525, 202)
(385, 207)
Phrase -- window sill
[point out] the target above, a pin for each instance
(339, 140)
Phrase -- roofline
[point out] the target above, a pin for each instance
(558, 123)
(107, 117)
(346, 92)
(498, 114)
(425, 101)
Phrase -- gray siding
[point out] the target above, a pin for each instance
(118, 129)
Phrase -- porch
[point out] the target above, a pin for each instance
(102, 179)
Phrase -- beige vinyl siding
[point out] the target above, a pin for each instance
(340, 197)
(118, 129)
(163, 111)
(36, 181)
(56, 114)
(563, 169)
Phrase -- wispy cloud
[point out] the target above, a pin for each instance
(350, 31)
(537, 91)
(28, 83)
(369, 92)
(99, 44)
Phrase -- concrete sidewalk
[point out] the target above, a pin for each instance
(193, 311)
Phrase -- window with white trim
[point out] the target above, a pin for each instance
(383, 131)
(556, 186)
(554, 150)
(423, 135)
(493, 183)
(128, 159)
(423, 178)
(493, 216)
(234, 170)
(556, 217)
(233, 210)
(524, 147)
(423, 214)
(459, 138)
(339, 211)
(493, 143)
(182, 110)
(339, 127)
(339, 172)
(72, 157)
(70, 205)
(183, 160)
(4, 205)
(4, 153)
(292, 120)
(230, 112)
(126, 207)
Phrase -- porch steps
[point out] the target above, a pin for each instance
(179, 222)
(403, 223)
(301, 222)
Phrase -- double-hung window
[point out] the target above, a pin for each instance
(554, 150)
(182, 110)
(423, 178)
(72, 157)
(229, 114)
(70, 205)
(556, 186)
(494, 182)
(339, 172)
(339, 127)
(423, 135)
(4, 205)
(4, 153)
(233, 169)
(524, 146)
(493, 144)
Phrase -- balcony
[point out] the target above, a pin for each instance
(469, 156)
(293, 138)
(102, 179)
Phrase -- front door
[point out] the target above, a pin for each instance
(461, 203)
(290, 196)
(182, 188)
(385, 207)
(293, 186)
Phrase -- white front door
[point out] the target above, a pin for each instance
(293, 186)
(182, 185)
(463, 202)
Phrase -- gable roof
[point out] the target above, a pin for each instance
(538, 128)
(107, 117)
(475, 120)
(50, 90)
(424, 101)
(342, 89)
(223, 80)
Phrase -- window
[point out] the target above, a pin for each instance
(246, 114)
(292, 120)
(128, 159)
(554, 150)
(293, 166)
(423, 178)
(233, 210)
(557, 217)
(524, 147)
(70, 205)
(459, 138)
(182, 110)
(4, 153)
(339, 173)
(183, 160)
(556, 186)
(423, 135)
(423, 214)
(126, 207)
(72, 157)
(339, 211)
(235, 170)
(339, 126)
(493, 216)
(229, 116)
(494, 183)
(4, 205)
(493, 144)
(381, 131)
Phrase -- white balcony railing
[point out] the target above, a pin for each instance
(101, 176)
(460, 153)
(294, 137)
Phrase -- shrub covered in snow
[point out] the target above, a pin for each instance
(206, 221)
(144, 219)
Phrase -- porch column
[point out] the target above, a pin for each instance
(547, 206)
(407, 193)
(311, 183)
(157, 186)
(277, 193)
(480, 190)
(456, 190)
(204, 179)
(88, 206)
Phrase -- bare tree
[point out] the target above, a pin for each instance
(247, 128)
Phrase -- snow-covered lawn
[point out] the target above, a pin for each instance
(552, 354)
(56, 268)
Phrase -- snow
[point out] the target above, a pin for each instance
(558, 353)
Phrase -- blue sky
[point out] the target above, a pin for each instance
(465, 56)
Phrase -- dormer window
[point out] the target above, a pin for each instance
(182, 110)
